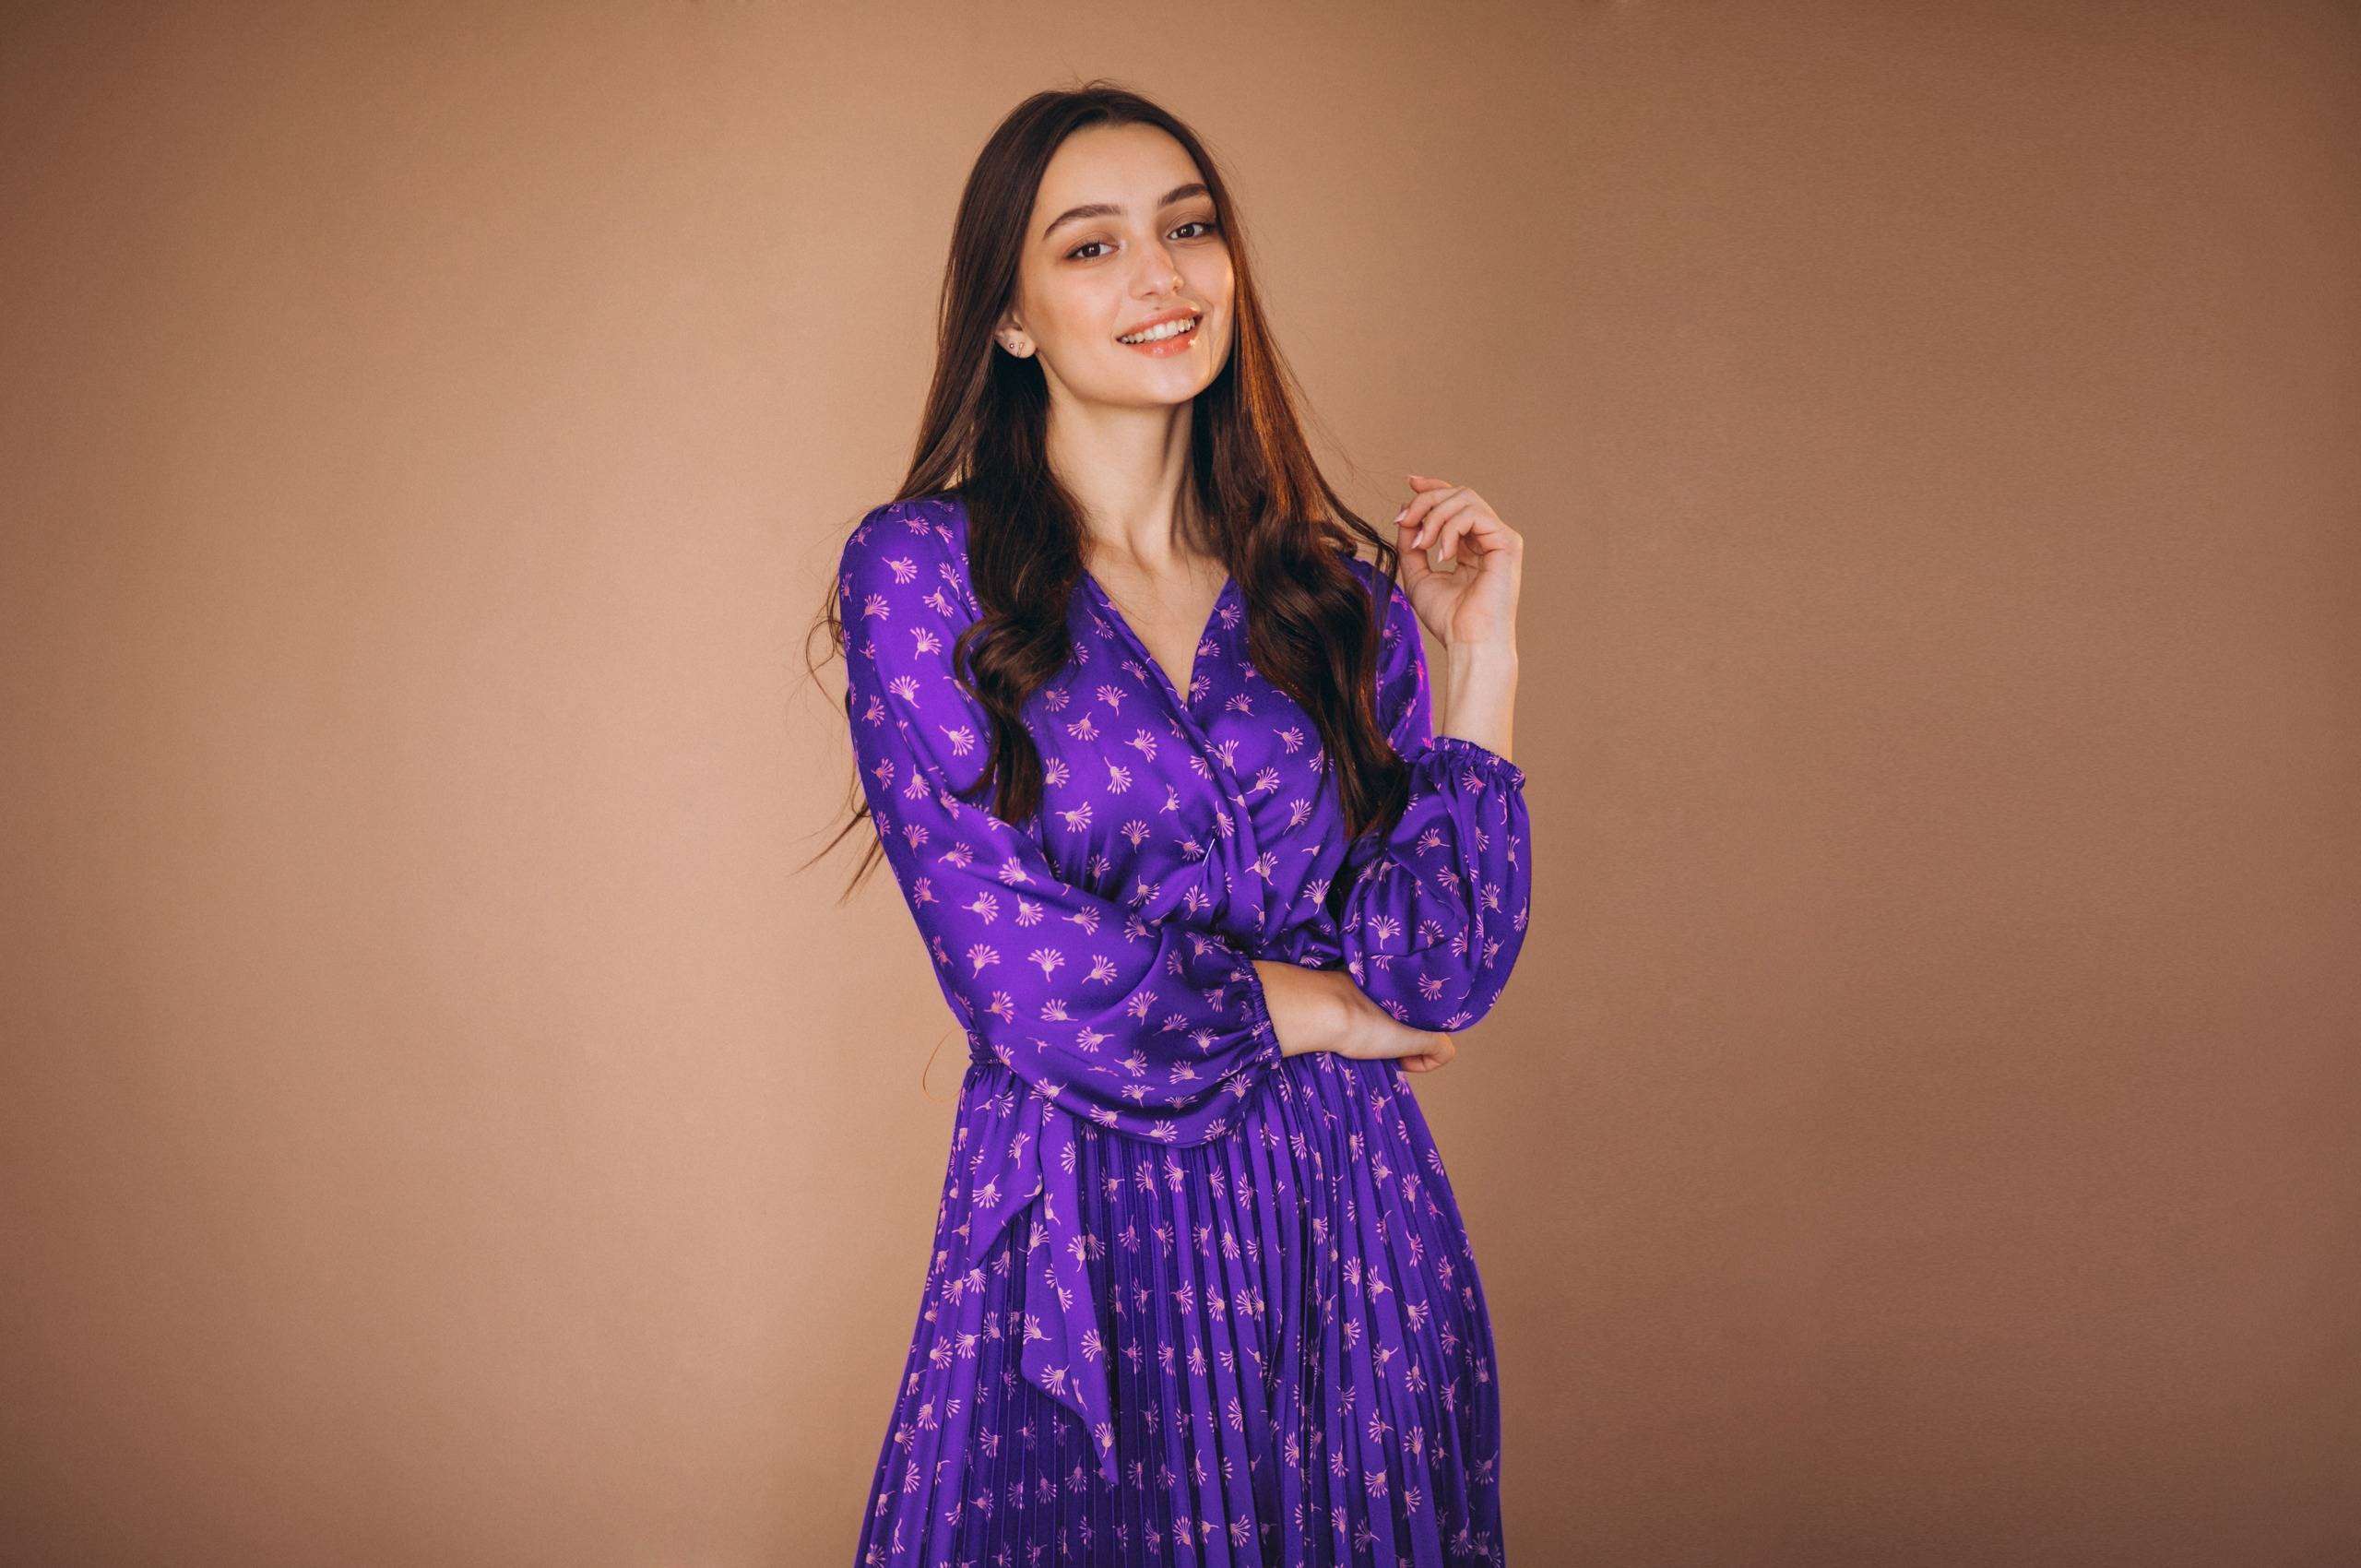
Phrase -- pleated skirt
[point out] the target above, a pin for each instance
(1301, 1358)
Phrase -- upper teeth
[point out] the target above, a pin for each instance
(1166, 330)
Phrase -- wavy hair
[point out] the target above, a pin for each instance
(1251, 489)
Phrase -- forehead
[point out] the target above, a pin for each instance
(1128, 165)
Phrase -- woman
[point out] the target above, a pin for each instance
(1151, 754)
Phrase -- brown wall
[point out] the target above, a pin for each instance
(443, 1126)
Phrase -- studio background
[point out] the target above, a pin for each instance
(443, 1126)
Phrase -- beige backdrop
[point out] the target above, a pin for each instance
(442, 1126)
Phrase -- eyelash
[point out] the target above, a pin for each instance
(1206, 223)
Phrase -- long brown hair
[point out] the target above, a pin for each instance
(1284, 534)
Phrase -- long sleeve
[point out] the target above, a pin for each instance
(1150, 1028)
(1435, 912)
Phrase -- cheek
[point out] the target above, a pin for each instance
(1211, 275)
(1211, 284)
(1075, 312)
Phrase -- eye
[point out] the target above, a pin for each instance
(1205, 223)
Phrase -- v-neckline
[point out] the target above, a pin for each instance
(1180, 695)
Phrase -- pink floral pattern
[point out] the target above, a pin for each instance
(1166, 1332)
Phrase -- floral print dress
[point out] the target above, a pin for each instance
(1189, 1301)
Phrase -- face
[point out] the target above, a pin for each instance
(1147, 243)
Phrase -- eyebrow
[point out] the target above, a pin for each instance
(1111, 210)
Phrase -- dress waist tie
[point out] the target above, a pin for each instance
(1063, 1353)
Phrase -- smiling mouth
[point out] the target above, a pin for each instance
(1164, 332)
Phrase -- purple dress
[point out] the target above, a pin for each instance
(1189, 1301)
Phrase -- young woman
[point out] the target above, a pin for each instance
(1153, 754)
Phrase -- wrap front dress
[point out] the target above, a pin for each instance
(1189, 1300)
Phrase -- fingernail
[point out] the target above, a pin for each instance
(1402, 513)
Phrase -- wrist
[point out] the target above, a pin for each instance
(1333, 1015)
(1476, 696)
(1490, 653)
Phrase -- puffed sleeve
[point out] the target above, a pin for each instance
(1151, 1028)
(1435, 910)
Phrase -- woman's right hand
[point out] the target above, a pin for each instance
(1372, 1034)
(1324, 1010)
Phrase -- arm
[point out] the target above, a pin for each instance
(1151, 1028)
(1480, 696)
(1435, 912)
(1307, 1004)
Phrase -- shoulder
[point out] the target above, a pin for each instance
(906, 556)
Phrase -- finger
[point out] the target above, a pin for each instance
(1478, 522)
(1415, 569)
(1442, 523)
(1443, 1050)
(1430, 521)
(1424, 482)
(1402, 1043)
(1432, 1046)
(1462, 527)
(1447, 504)
(1425, 502)
(1413, 532)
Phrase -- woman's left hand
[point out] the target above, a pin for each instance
(1427, 1062)
(1477, 603)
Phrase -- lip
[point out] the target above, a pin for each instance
(1180, 314)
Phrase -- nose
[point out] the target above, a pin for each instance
(1159, 275)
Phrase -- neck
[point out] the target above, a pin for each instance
(1128, 469)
